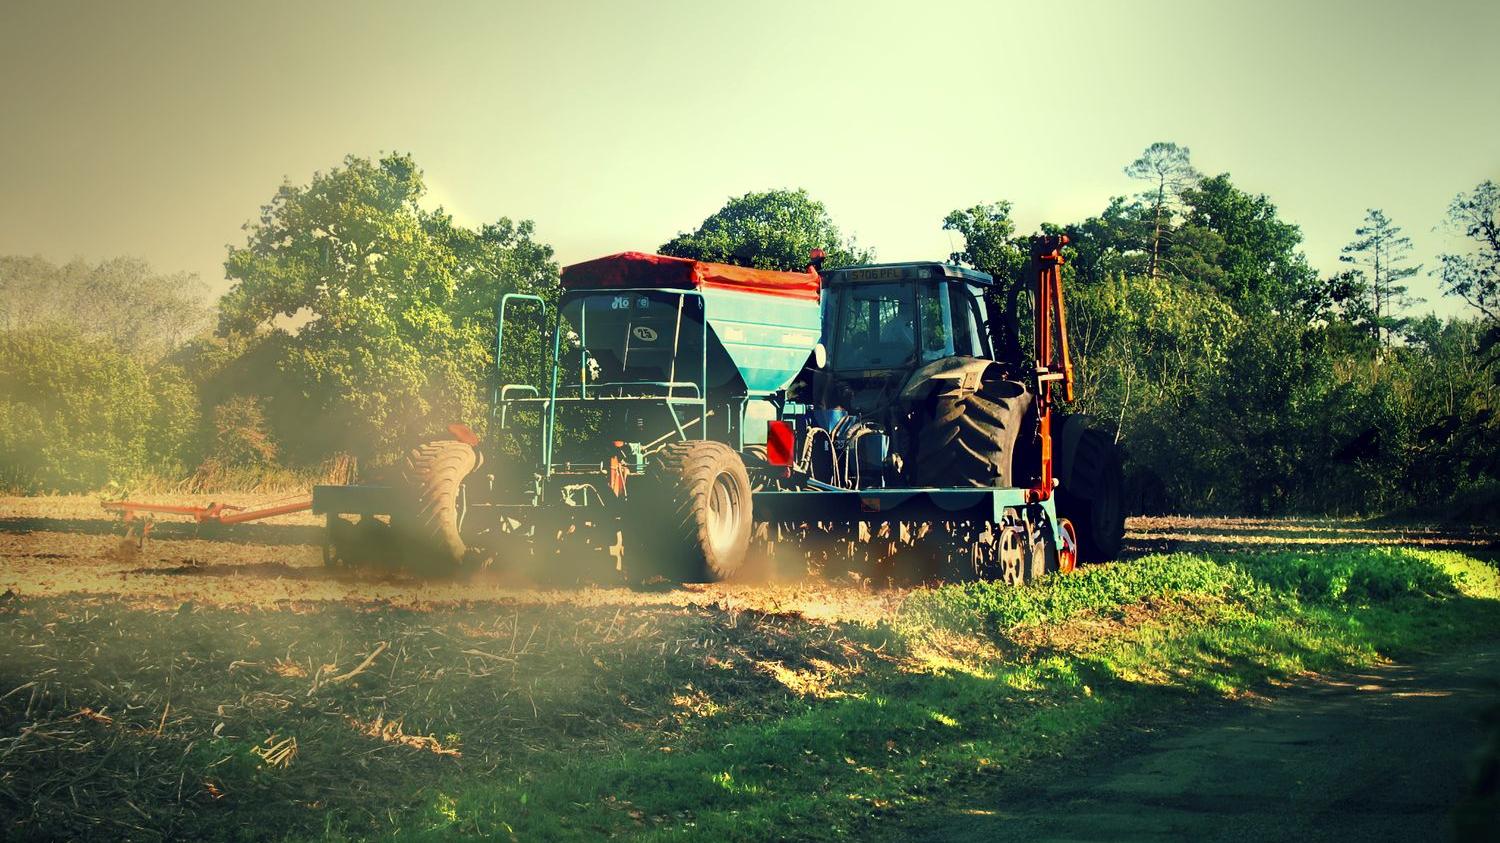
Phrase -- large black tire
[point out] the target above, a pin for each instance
(433, 476)
(702, 490)
(1093, 497)
(970, 437)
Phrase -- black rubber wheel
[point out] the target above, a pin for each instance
(970, 437)
(433, 476)
(1093, 499)
(702, 490)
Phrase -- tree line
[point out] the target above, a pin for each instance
(1237, 378)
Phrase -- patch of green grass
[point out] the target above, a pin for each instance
(664, 725)
(993, 609)
(907, 733)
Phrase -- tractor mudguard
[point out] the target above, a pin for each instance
(969, 371)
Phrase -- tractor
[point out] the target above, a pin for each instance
(688, 410)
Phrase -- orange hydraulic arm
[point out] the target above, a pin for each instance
(1052, 364)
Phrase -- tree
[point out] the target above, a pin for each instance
(1381, 250)
(1255, 257)
(777, 229)
(1348, 314)
(1253, 421)
(1474, 275)
(1110, 243)
(1454, 395)
(990, 244)
(371, 319)
(1140, 345)
(1169, 171)
(121, 301)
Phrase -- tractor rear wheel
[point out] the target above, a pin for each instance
(433, 476)
(970, 437)
(703, 490)
(1093, 498)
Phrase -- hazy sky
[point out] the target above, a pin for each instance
(157, 130)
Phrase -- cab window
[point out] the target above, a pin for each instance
(937, 335)
(877, 326)
(967, 337)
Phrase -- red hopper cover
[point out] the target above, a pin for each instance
(639, 269)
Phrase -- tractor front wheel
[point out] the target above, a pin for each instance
(703, 490)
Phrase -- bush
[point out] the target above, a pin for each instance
(172, 440)
(77, 414)
(240, 437)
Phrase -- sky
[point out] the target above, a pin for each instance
(158, 130)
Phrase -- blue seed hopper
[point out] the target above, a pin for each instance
(758, 326)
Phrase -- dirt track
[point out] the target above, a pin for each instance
(69, 546)
(1371, 756)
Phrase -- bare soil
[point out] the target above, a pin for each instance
(1373, 756)
(62, 545)
(68, 545)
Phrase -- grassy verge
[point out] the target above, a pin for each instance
(571, 721)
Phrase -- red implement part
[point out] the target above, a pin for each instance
(639, 269)
(1067, 555)
(464, 434)
(779, 443)
(619, 475)
(219, 513)
(1047, 255)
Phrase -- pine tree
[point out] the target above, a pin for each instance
(1473, 271)
(1381, 250)
(1168, 168)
